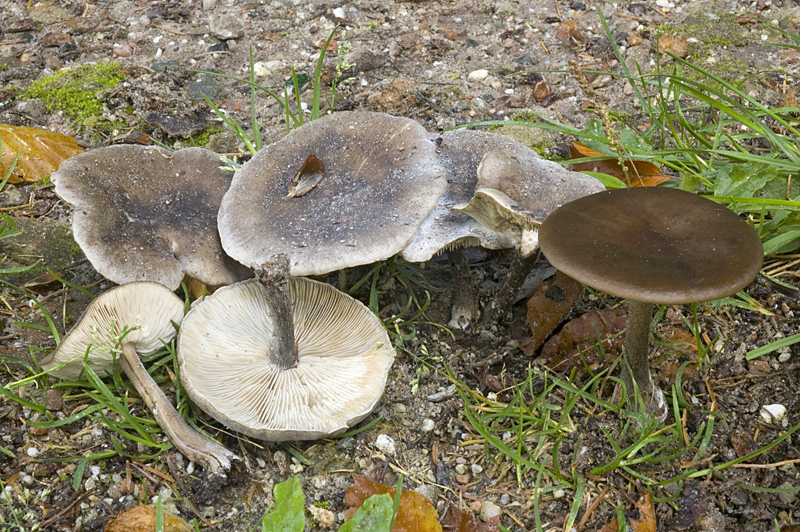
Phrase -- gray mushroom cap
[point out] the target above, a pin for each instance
(460, 153)
(343, 361)
(517, 190)
(145, 214)
(147, 309)
(381, 178)
(654, 245)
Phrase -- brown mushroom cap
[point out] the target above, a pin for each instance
(147, 308)
(381, 178)
(517, 190)
(652, 244)
(145, 214)
(460, 153)
(343, 359)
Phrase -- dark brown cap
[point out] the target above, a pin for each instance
(655, 245)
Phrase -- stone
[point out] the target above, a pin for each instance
(385, 444)
(770, 413)
(490, 510)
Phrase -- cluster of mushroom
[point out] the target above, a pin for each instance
(279, 356)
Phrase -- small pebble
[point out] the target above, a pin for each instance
(770, 413)
(428, 425)
(559, 494)
(489, 510)
(33, 451)
(478, 75)
(462, 479)
(477, 469)
(461, 469)
(261, 463)
(385, 444)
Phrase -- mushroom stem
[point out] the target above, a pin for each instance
(465, 309)
(215, 458)
(518, 270)
(274, 276)
(637, 347)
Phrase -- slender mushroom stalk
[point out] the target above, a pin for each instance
(147, 310)
(653, 246)
(193, 445)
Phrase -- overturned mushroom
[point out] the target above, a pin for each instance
(653, 246)
(516, 191)
(140, 317)
(145, 214)
(344, 190)
(242, 366)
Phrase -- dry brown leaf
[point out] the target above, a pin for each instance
(457, 521)
(641, 173)
(574, 343)
(40, 152)
(552, 301)
(416, 513)
(647, 515)
(143, 519)
(673, 44)
(680, 338)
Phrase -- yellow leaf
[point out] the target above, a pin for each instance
(40, 152)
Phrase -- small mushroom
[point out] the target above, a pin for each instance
(446, 229)
(143, 213)
(651, 245)
(140, 316)
(516, 191)
(344, 190)
(330, 377)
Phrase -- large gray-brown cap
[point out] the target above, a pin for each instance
(146, 309)
(654, 245)
(226, 350)
(143, 213)
(517, 190)
(344, 190)
(460, 153)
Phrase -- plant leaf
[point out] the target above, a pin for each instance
(416, 513)
(288, 514)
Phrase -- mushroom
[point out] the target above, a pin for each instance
(143, 213)
(140, 317)
(344, 190)
(652, 246)
(445, 229)
(516, 191)
(235, 366)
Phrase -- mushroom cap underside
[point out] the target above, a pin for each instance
(380, 180)
(143, 213)
(344, 355)
(146, 309)
(653, 244)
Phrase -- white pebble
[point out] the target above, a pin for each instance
(95, 470)
(489, 510)
(338, 12)
(770, 413)
(385, 444)
(33, 451)
(478, 75)
(428, 425)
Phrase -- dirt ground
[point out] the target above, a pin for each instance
(443, 64)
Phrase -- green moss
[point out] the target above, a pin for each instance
(74, 90)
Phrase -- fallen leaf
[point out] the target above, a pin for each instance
(455, 520)
(143, 519)
(332, 46)
(647, 515)
(680, 338)
(743, 443)
(416, 513)
(640, 173)
(307, 177)
(574, 344)
(552, 301)
(40, 152)
(540, 88)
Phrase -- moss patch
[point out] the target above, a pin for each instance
(74, 90)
